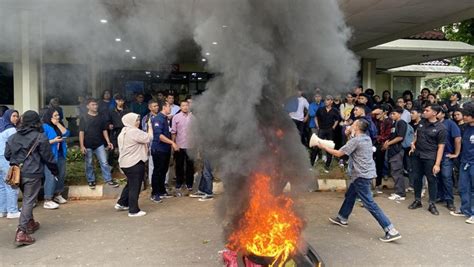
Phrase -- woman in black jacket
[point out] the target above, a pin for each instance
(29, 136)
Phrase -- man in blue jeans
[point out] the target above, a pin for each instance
(466, 170)
(204, 192)
(359, 150)
(93, 136)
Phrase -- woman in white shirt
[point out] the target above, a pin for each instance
(133, 153)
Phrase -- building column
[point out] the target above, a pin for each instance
(25, 67)
(368, 73)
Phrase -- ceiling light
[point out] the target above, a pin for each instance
(103, 21)
(147, 72)
(184, 77)
(224, 26)
(157, 76)
(208, 54)
(134, 57)
(118, 39)
(127, 50)
(199, 78)
(214, 43)
(203, 60)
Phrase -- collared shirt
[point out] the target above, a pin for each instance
(428, 136)
(180, 127)
(467, 153)
(452, 132)
(326, 119)
(359, 150)
(174, 109)
(160, 127)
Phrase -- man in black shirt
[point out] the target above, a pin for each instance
(116, 126)
(395, 152)
(327, 118)
(93, 136)
(427, 149)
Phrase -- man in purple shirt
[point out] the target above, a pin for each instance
(180, 133)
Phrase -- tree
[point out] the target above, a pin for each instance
(462, 31)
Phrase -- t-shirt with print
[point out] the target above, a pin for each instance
(399, 129)
(359, 150)
(93, 127)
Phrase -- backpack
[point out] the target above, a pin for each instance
(409, 136)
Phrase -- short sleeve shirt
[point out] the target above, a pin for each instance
(467, 152)
(359, 150)
(428, 136)
(452, 132)
(93, 127)
(399, 129)
(299, 113)
(160, 127)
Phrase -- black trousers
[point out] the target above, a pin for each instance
(184, 168)
(30, 188)
(327, 134)
(300, 127)
(379, 163)
(161, 162)
(424, 167)
(131, 191)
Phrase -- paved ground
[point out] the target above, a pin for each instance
(184, 232)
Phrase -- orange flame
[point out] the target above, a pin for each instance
(269, 227)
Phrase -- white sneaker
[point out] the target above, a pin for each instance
(59, 199)
(470, 220)
(50, 205)
(120, 207)
(14, 215)
(138, 214)
(396, 197)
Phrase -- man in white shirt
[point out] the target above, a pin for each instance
(174, 108)
(299, 116)
(406, 114)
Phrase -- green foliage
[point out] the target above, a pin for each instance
(74, 154)
(464, 32)
(446, 83)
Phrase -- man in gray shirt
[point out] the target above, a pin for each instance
(359, 150)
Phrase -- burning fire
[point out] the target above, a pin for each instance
(269, 227)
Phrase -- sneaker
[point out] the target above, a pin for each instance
(396, 197)
(190, 189)
(338, 221)
(59, 199)
(457, 213)
(156, 199)
(178, 194)
(326, 169)
(14, 215)
(341, 163)
(389, 238)
(378, 190)
(120, 207)
(206, 198)
(470, 220)
(166, 195)
(138, 214)
(198, 194)
(113, 184)
(50, 205)
(91, 185)
(410, 189)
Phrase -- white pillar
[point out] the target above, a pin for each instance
(368, 73)
(25, 67)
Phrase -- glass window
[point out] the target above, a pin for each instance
(6, 83)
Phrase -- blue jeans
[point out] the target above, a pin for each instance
(445, 181)
(360, 187)
(51, 186)
(466, 188)
(205, 185)
(8, 195)
(104, 165)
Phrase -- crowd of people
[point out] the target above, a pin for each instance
(140, 142)
(422, 142)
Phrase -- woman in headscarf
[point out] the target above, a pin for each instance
(133, 153)
(29, 137)
(56, 134)
(8, 195)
